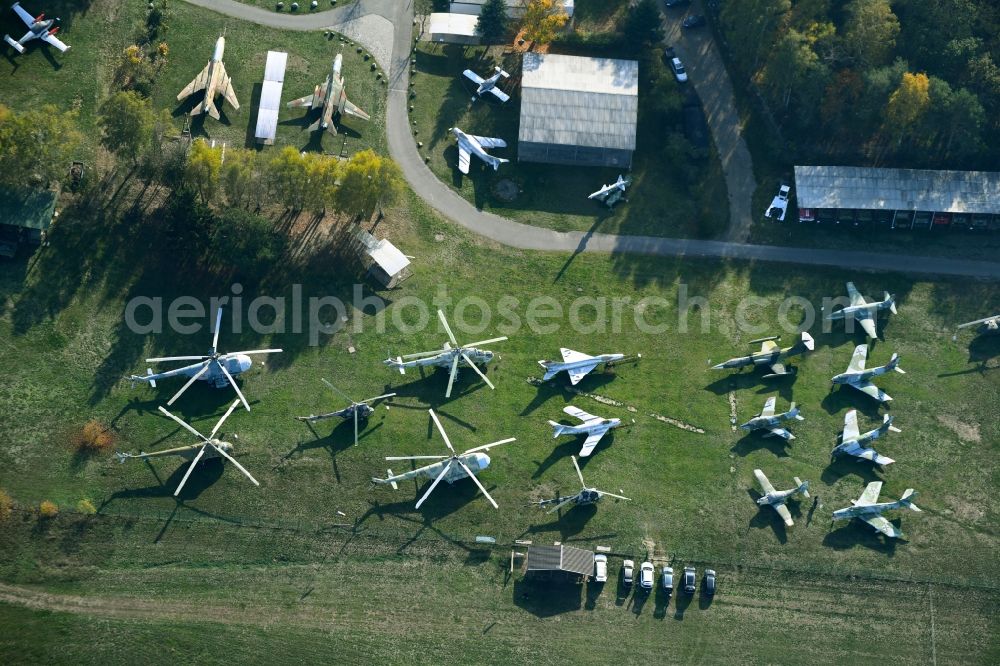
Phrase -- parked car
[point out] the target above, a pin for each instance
(646, 576)
(694, 21)
(600, 568)
(679, 71)
(676, 3)
(688, 580)
(667, 579)
(779, 204)
(708, 586)
(628, 568)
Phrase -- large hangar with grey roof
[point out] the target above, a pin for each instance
(579, 111)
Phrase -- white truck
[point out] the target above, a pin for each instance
(779, 204)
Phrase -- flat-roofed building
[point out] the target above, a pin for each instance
(270, 97)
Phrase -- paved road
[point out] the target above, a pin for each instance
(507, 232)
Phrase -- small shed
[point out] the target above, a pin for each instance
(387, 264)
(453, 28)
(25, 215)
(560, 559)
(270, 97)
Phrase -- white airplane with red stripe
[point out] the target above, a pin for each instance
(38, 28)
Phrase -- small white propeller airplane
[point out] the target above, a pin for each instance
(470, 144)
(776, 498)
(864, 312)
(38, 28)
(857, 377)
(586, 496)
(853, 443)
(770, 421)
(594, 427)
(577, 364)
(868, 509)
(488, 85)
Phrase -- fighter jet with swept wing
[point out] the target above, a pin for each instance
(333, 98)
(576, 364)
(593, 427)
(488, 85)
(987, 326)
(213, 80)
(38, 28)
(863, 311)
(868, 509)
(853, 443)
(771, 355)
(776, 498)
(768, 420)
(470, 144)
(857, 377)
(613, 193)
(585, 496)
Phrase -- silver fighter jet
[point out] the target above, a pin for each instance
(770, 355)
(776, 498)
(857, 377)
(593, 427)
(470, 144)
(868, 509)
(576, 364)
(865, 312)
(853, 443)
(770, 421)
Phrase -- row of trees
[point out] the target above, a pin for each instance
(541, 21)
(912, 80)
(34, 145)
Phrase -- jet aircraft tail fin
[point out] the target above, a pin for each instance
(803, 486)
(891, 300)
(893, 364)
(907, 500)
(557, 428)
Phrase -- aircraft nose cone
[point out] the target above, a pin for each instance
(245, 363)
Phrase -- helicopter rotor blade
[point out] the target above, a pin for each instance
(477, 482)
(378, 397)
(176, 358)
(194, 463)
(418, 457)
(447, 328)
(194, 378)
(183, 424)
(602, 493)
(355, 426)
(578, 472)
(218, 325)
(452, 375)
(336, 390)
(253, 351)
(486, 447)
(440, 476)
(440, 428)
(478, 371)
(561, 504)
(223, 419)
(233, 383)
(486, 342)
(422, 354)
(238, 466)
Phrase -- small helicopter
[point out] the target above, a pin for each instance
(357, 410)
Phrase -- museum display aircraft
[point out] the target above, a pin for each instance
(594, 427)
(470, 144)
(865, 312)
(356, 411)
(768, 420)
(215, 367)
(213, 80)
(210, 447)
(449, 357)
(39, 27)
(449, 468)
(857, 377)
(868, 509)
(586, 496)
(488, 85)
(987, 326)
(771, 355)
(853, 443)
(776, 498)
(576, 364)
(613, 193)
(332, 97)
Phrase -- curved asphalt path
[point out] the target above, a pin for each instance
(507, 232)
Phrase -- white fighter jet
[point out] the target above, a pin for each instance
(768, 420)
(488, 85)
(857, 377)
(332, 97)
(576, 364)
(776, 498)
(470, 144)
(213, 80)
(38, 28)
(593, 427)
(853, 443)
(865, 312)
(868, 509)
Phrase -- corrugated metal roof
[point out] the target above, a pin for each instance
(561, 558)
(270, 96)
(897, 189)
(388, 257)
(568, 100)
(442, 23)
(274, 69)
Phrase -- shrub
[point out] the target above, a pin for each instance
(6, 506)
(94, 437)
(48, 509)
(86, 507)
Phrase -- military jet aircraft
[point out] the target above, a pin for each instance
(210, 446)
(357, 411)
(853, 443)
(987, 326)
(449, 468)
(38, 28)
(333, 98)
(857, 377)
(863, 311)
(215, 367)
(594, 427)
(470, 144)
(213, 80)
(776, 498)
(771, 355)
(576, 364)
(613, 193)
(770, 421)
(585, 496)
(449, 357)
(488, 85)
(866, 508)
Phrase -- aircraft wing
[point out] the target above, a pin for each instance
(570, 356)
(228, 91)
(354, 111)
(499, 94)
(778, 368)
(854, 295)
(851, 430)
(782, 433)
(870, 389)
(870, 495)
(472, 76)
(883, 526)
(488, 141)
(579, 373)
(765, 485)
(301, 101)
(857, 363)
(784, 513)
(197, 83)
(769, 406)
(590, 443)
(768, 345)
(55, 41)
(868, 324)
(578, 413)
(464, 158)
(25, 16)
